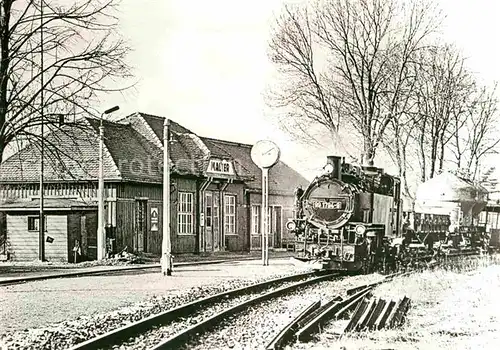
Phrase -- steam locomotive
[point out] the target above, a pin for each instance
(351, 218)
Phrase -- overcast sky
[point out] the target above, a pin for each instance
(203, 63)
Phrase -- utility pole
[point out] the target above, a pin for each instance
(101, 233)
(41, 223)
(101, 249)
(166, 247)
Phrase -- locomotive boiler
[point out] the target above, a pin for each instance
(344, 219)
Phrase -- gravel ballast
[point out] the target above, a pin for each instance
(255, 327)
(455, 307)
(76, 328)
(153, 337)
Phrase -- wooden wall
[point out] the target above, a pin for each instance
(184, 243)
(126, 235)
(85, 190)
(24, 243)
(239, 241)
(287, 206)
(3, 233)
(132, 191)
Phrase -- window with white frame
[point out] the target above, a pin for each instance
(256, 219)
(185, 213)
(229, 214)
(110, 213)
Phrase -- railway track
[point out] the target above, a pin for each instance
(178, 340)
(315, 316)
(168, 329)
(175, 327)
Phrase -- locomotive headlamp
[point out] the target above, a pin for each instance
(290, 225)
(328, 168)
(360, 229)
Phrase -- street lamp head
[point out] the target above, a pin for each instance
(112, 109)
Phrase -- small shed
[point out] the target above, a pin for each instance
(67, 222)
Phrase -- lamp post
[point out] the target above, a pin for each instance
(101, 235)
(41, 221)
(166, 248)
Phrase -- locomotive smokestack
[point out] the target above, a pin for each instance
(336, 163)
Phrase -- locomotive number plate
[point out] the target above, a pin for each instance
(327, 205)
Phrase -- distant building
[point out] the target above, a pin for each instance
(490, 216)
(215, 193)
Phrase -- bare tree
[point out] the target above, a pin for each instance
(303, 90)
(477, 133)
(83, 56)
(447, 119)
(441, 94)
(399, 146)
(349, 62)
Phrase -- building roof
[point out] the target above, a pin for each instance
(186, 155)
(448, 187)
(71, 153)
(135, 158)
(282, 178)
(134, 152)
(448, 190)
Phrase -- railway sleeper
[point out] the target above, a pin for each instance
(376, 314)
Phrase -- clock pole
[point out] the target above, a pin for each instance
(264, 215)
(265, 154)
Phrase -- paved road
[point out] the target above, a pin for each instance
(40, 303)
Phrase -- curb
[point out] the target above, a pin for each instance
(18, 280)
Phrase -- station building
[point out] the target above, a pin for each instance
(215, 193)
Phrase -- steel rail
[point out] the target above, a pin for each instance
(120, 334)
(387, 278)
(313, 317)
(332, 311)
(175, 341)
(286, 334)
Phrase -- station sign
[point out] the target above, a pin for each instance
(154, 219)
(220, 166)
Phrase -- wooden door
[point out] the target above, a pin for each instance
(208, 221)
(140, 225)
(276, 226)
(216, 222)
(56, 242)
